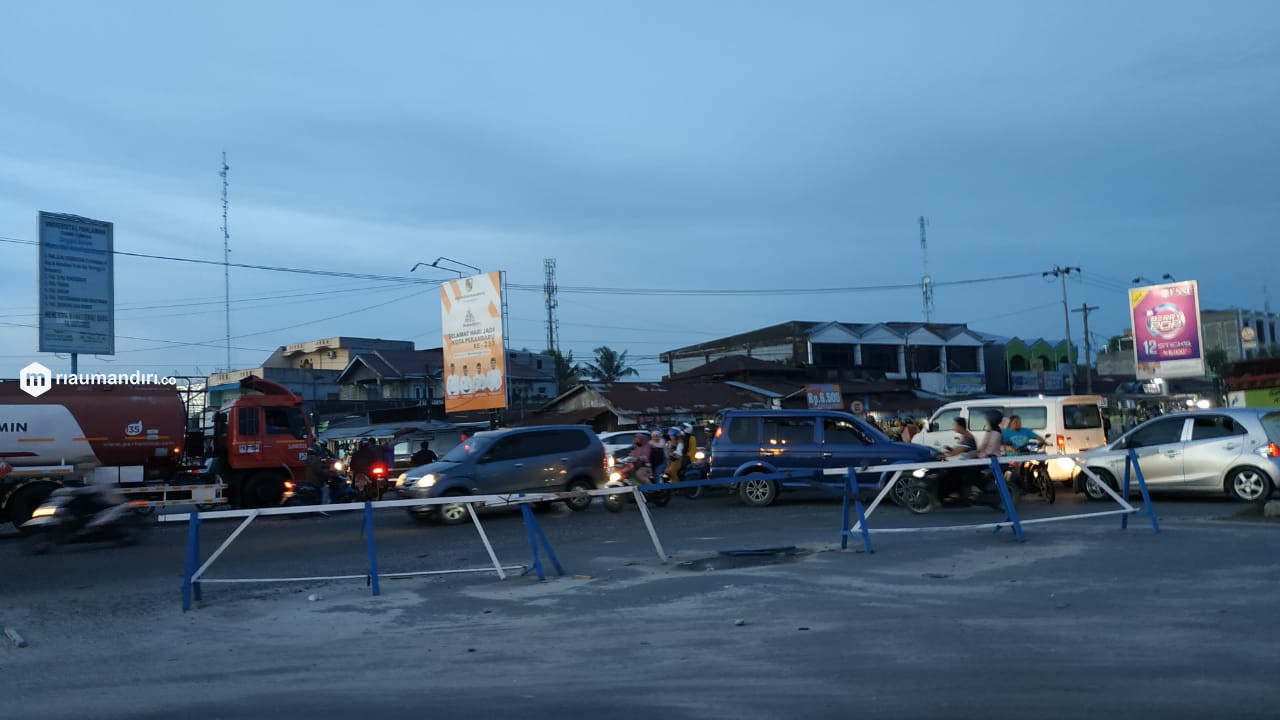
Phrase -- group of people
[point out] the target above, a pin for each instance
(669, 453)
(470, 384)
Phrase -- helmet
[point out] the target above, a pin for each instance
(673, 432)
(686, 428)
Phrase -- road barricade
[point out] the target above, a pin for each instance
(194, 571)
(897, 473)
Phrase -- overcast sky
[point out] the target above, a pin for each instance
(681, 145)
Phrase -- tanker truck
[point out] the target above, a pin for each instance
(136, 437)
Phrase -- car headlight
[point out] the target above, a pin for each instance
(44, 511)
(400, 481)
(919, 473)
(426, 481)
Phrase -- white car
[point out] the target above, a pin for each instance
(1231, 450)
(618, 440)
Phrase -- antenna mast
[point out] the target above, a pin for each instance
(549, 294)
(926, 282)
(226, 257)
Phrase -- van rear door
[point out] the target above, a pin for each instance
(1081, 427)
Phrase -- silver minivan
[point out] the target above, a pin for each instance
(543, 459)
(1231, 450)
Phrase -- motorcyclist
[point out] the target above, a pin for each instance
(1016, 436)
(642, 459)
(91, 503)
(320, 473)
(675, 456)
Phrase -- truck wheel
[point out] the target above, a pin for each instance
(25, 501)
(263, 490)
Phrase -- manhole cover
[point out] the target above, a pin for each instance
(747, 557)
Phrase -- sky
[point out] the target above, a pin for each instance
(671, 150)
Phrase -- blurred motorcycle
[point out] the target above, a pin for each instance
(77, 514)
(623, 475)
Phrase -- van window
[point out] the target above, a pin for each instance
(1034, 417)
(511, 447)
(978, 417)
(788, 431)
(744, 430)
(1081, 417)
(945, 419)
(836, 431)
(553, 442)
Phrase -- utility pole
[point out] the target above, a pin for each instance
(1061, 273)
(1085, 309)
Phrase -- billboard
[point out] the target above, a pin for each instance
(475, 363)
(824, 397)
(77, 285)
(1167, 338)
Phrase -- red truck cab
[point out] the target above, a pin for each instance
(261, 441)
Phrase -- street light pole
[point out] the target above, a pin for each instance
(1061, 273)
(1085, 309)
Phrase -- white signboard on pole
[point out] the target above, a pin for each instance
(77, 287)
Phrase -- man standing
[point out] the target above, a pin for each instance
(451, 385)
(495, 377)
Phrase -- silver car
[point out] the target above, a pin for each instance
(1231, 450)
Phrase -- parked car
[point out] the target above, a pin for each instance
(530, 460)
(1231, 450)
(1069, 425)
(619, 441)
(760, 442)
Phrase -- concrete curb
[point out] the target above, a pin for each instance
(15, 638)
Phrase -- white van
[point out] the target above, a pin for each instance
(1069, 425)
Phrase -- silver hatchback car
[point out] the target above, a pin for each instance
(1231, 450)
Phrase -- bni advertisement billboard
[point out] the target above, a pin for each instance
(1166, 330)
(77, 286)
(475, 363)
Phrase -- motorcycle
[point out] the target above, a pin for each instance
(623, 475)
(72, 515)
(1032, 477)
(927, 489)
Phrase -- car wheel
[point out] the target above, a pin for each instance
(899, 492)
(578, 504)
(1249, 484)
(757, 492)
(1093, 491)
(452, 513)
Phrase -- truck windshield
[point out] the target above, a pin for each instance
(470, 447)
(286, 421)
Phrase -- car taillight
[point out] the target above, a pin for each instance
(1062, 444)
(1272, 450)
(719, 431)
(379, 470)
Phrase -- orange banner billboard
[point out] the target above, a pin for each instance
(475, 364)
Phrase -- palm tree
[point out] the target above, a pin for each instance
(567, 371)
(610, 366)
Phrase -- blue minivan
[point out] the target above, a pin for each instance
(798, 443)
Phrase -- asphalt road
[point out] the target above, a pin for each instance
(1082, 620)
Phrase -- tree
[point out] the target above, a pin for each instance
(610, 366)
(567, 371)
